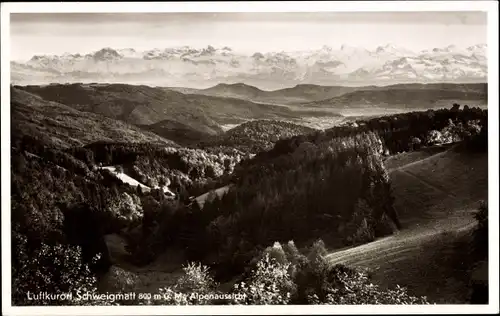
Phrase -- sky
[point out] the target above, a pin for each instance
(57, 33)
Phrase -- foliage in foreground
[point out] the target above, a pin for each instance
(283, 275)
(52, 269)
(280, 275)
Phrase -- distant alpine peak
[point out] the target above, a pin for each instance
(448, 49)
(66, 54)
(387, 47)
(345, 47)
(477, 47)
(327, 48)
(126, 50)
(394, 50)
(323, 66)
(106, 50)
(210, 48)
(106, 54)
(40, 57)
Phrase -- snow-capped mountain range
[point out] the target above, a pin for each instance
(200, 68)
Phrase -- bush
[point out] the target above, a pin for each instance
(54, 269)
(270, 283)
(314, 281)
(192, 288)
(196, 278)
(354, 288)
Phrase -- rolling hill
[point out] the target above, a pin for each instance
(63, 126)
(256, 136)
(398, 95)
(139, 105)
(298, 94)
(408, 96)
(143, 105)
(177, 132)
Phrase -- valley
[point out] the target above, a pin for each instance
(426, 255)
(166, 178)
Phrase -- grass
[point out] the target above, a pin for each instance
(215, 193)
(435, 194)
(465, 175)
(403, 159)
(439, 186)
(435, 267)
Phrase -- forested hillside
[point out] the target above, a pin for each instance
(144, 105)
(407, 97)
(400, 132)
(298, 94)
(412, 95)
(256, 136)
(330, 185)
(63, 126)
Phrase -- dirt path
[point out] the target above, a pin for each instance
(424, 159)
(402, 241)
(432, 185)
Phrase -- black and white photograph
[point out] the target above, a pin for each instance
(225, 156)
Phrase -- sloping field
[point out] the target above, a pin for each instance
(133, 182)
(403, 159)
(435, 198)
(446, 186)
(429, 263)
(211, 194)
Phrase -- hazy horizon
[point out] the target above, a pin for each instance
(58, 33)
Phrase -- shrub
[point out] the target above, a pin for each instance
(54, 269)
(348, 286)
(126, 209)
(354, 288)
(270, 283)
(315, 281)
(192, 288)
(120, 280)
(196, 278)
(311, 274)
(434, 137)
(416, 143)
